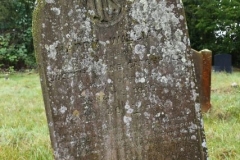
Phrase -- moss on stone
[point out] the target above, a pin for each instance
(36, 26)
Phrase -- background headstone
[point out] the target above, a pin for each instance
(203, 69)
(118, 80)
(223, 63)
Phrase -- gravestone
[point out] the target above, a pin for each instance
(223, 63)
(118, 80)
(203, 70)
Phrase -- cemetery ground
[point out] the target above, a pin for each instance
(24, 133)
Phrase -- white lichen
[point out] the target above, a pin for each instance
(140, 77)
(63, 109)
(128, 109)
(49, 1)
(140, 50)
(57, 11)
(192, 128)
(204, 144)
(51, 49)
(147, 115)
(139, 104)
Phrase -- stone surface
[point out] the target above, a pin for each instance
(203, 69)
(223, 63)
(118, 80)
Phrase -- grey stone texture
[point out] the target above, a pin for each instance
(118, 80)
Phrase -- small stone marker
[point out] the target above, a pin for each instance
(203, 69)
(223, 63)
(118, 80)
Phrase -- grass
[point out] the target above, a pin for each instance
(24, 133)
(23, 130)
(222, 123)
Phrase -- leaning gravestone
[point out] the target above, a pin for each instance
(223, 63)
(118, 80)
(203, 69)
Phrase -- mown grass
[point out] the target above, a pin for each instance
(23, 127)
(24, 133)
(222, 123)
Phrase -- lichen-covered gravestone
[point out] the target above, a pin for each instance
(118, 80)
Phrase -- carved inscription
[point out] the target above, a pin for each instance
(105, 12)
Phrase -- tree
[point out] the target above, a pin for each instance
(214, 25)
(16, 48)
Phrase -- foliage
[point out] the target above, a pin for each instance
(214, 25)
(16, 37)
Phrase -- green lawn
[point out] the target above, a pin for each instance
(222, 124)
(24, 133)
(23, 127)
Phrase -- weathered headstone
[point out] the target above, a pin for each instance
(203, 70)
(223, 63)
(118, 80)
